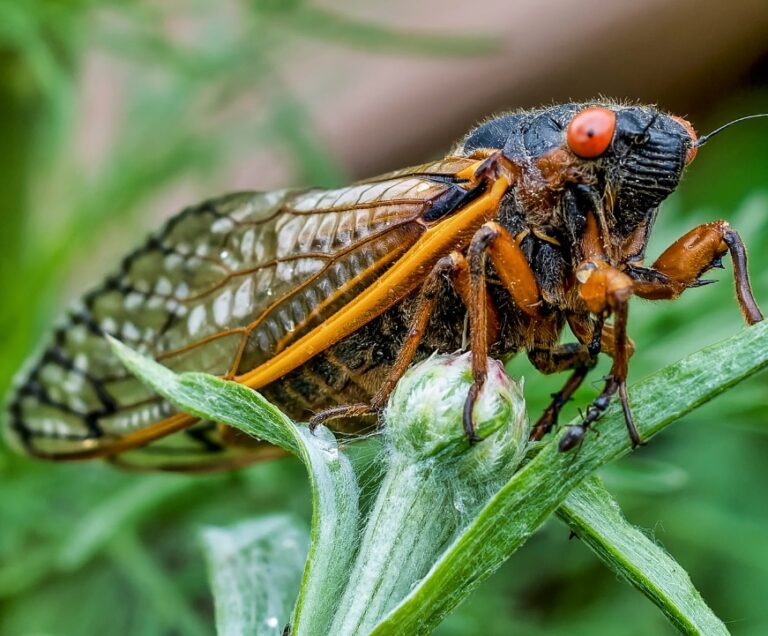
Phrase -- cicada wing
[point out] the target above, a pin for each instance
(77, 395)
(221, 288)
(203, 447)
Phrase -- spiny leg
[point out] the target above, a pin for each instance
(516, 275)
(614, 383)
(548, 419)
(579, 357)
(594, 340)
(682, 263)
(678, 268)
(336, 412)
(605, 291)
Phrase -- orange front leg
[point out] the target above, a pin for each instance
(682, 264)
(605, 291)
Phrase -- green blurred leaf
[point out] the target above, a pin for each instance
(255, 570)
(122, 510)
(291, 124)
(157, 587)
(646, 476)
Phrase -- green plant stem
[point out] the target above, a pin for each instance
(405, 533)
(594, 516)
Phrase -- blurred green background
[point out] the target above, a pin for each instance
(115, 115)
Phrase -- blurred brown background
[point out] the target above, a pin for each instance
(375, 110)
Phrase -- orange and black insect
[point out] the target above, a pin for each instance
(320, 299)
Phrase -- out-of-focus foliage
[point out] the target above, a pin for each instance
(88, 549)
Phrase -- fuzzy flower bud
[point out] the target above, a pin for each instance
(424, 417)
(433, 481)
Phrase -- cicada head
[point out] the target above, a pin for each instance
(638, 155)
(630, 157)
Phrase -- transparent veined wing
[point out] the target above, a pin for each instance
(221, 288)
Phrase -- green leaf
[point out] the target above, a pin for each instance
(535, 492)
(211, 398)
(255, 570)
(334, 487)
(594, 516)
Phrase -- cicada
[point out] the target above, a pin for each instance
(320, 299)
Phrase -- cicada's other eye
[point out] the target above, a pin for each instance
(591, 131)
(691, 155)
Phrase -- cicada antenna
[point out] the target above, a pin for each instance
(705, 138)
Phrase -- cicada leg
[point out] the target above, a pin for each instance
(597, 337)
(548, 419)
(606, 291)
(681, 265)
(580, 357)
(516, 276)
(451, 268)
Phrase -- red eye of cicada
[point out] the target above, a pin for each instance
(591, 132)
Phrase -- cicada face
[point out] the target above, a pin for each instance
(630, 157)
